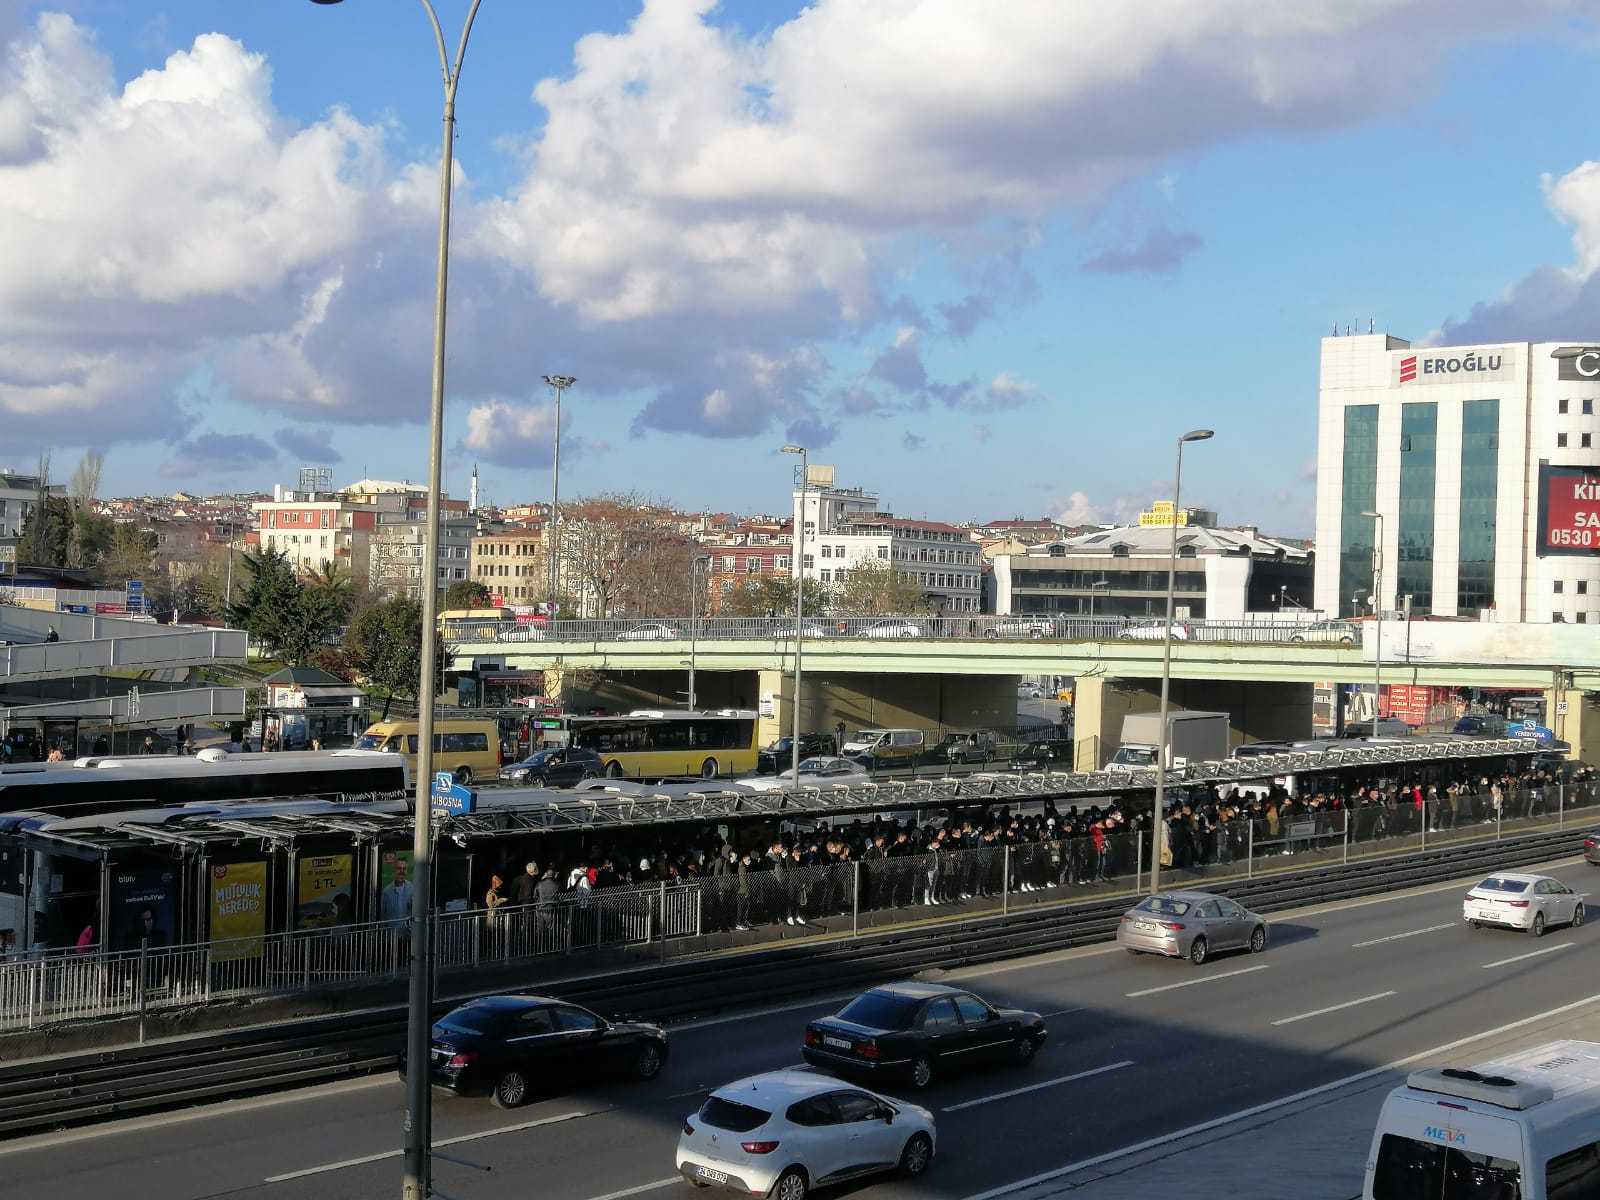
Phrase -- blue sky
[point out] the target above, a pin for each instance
(985, 259)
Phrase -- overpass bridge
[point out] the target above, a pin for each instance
(960, 673)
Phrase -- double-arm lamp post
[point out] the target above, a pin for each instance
(1159, 825)
(418, 1183)
(559, 384)
(1377, 614)
(799, 576)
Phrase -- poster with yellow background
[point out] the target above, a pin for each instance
(238, 910)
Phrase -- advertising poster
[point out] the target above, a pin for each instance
(143, 908)
(1569, 510)
(394, 880)
(238, 910)
(323, 897)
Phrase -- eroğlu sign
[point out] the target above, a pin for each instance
(1569, 510)
(1455, 366)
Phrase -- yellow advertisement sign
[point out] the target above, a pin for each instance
(238, 910)
(323, 899)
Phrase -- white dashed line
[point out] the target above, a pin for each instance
(1333, 1008)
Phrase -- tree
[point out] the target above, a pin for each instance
(874, 588)
(127, 556)
(384, 644)
(83, 548)
(289, 618)
(623, 558)
(466, 593)
(763, 595)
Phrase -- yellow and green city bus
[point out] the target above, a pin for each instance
(656, 743)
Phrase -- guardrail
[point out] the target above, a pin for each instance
(72, 1089)
(986, 626)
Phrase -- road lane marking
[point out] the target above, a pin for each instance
(1167, 987)
(451, 1141)
(1034, 1087)
(1322, 1012)
(1395, 937)
(1530, 954)
(675, 1181)
(1165, 1139)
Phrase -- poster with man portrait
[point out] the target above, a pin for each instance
(143, 906)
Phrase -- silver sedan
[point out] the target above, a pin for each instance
(1192, 925)
(1527, 902)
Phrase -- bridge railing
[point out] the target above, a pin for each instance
(781, 629)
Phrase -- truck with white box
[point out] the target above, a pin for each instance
(1192, 737)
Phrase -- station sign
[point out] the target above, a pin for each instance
(1533, 731)
(451, 798)
(135, 596)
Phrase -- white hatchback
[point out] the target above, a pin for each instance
(784, 1133)
(1526, 902)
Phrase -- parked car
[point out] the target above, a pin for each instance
(1471, 726)
(1029, 691)
(969, 746)
(1154, 631)
(1383, 727)
(914, 1032)
(824, 771)
(1342, 633)
(778, 754)
(555, 766)
(651, 631)
(1513, 900)
(1591, 848)
(786, 1132)
(1054, 754)
(896, 627)
(510, 1046)
(1190, 925)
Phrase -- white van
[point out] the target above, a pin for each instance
(884, 747)
(1523, 1126)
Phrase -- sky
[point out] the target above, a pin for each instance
(985, 258)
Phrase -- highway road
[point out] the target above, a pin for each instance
(1139, 1048)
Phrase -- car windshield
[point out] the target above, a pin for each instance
(782, 743)
(732, 1115)
(881, 1010)
(369, 741)
(1495, 884)
(1164, 906)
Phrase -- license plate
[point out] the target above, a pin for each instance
(1145, 926)
(714, 1176)
(839, 1042)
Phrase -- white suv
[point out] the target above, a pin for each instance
(1343, 633)
(1021, 627)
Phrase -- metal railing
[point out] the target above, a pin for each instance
(665, 920)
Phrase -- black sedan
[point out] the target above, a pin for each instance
(914, 1032)
(511, 1045)
(556, 766)
(777, 756)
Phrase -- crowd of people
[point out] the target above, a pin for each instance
(802, 875)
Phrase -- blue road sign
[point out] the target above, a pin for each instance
(450, 797)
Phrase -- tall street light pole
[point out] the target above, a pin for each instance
(1159, 827)
(799, 574)
(559, 383)
(1377, 614)
(1098, 583)
(419, 1095)
(694, 615)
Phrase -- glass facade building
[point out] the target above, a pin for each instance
(1359, 495)
(1480, 492)
(1419, 463)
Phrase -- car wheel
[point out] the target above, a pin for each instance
(1537, 928)
(588, 774)
(791, 1185)
(1297, 638)
(1037, 634)
(511, 1091)
(1132, 951)
(1577, 915)
(648, 1062)
(1474, 925)
(1124, 637)
(1347, 641)
(1197, 951)
(914, 1159)
(921, 1072)
(535, 781)
(613, 770)
(708, 769)
(463, 775)
(991, 633)
(1022, 1052)
(1258, 939)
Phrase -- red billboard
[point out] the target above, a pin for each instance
(1569, 510)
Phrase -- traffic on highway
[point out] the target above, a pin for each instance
(1136, 1051)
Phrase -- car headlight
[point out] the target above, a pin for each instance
(519, 775)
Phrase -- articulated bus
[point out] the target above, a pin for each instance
(110, 784)
(656, 743)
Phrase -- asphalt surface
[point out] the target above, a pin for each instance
(1141, 1050)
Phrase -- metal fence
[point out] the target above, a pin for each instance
(782, 630)
(841, 899)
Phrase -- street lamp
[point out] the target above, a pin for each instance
(419, 1096)
(799, 602)
(560, 383)
(1098, 583)
(694, 614)
(1377, 615)
(1159, 828)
